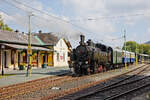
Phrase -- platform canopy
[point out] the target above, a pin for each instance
(24, 47)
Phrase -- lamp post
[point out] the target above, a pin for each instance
(29, 51)
(2, 54)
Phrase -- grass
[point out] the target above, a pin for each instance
(6, 75)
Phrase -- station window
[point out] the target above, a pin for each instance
(57, 56)
(63, 56)
(25, 58)
(12, 57)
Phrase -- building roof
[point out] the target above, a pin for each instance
(68, 43)
(16, 37)
(48, 38)
(41, 42)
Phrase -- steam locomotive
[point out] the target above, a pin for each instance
(89, 58)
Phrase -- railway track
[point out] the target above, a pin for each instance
(49, 82)
(115, 96)
(35, 85)
(87, 94)
(31, 86)
(115, 92)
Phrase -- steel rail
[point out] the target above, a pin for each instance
(109, 86)
(126, 92)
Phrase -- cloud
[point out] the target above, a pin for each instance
(6, 18)
(86, 6)
(134, 10)
(94, 29)
(42, 21)
(148, 30)
(126, 13)
(124, 6)
(109, 15)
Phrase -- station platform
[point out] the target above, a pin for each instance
(19, 76)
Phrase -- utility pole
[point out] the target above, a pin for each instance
(136, 55)
(2, 57)
(29, 51)
(125, 49)
(142, 53)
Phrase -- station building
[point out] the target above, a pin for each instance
(60, 49)
(13, 51)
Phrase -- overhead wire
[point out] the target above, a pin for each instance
(110, 17)
(43, 12)
(117, 38)
(3, 11)
(46, 13)
(40, 11)
(78, 27)
(102, 17)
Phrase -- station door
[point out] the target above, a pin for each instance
(42, 60)
(50, 59)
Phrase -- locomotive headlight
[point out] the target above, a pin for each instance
(86, 62)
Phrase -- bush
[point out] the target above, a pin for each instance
(44, 65)
(21, 67)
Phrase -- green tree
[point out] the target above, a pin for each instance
(146, 49)
(4, 26)
(131, 46)
(141, 48)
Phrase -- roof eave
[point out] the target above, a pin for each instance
(19, 43)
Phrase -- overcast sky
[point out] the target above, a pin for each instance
(110, 18)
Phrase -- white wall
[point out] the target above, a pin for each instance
(62, 49)
(8, 62)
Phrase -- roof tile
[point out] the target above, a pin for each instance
(16, 37)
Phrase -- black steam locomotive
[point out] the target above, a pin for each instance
(90, 57)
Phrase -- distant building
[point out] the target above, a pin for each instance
(60, 48)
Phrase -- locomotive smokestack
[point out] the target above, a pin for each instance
(82, 37)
